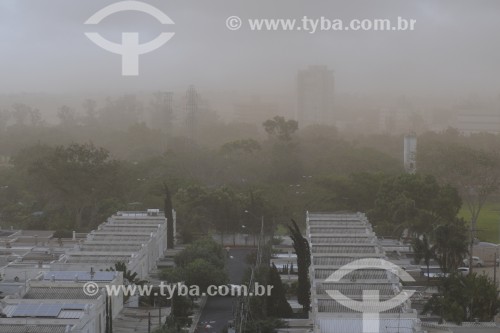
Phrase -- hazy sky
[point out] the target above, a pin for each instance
(455, 48)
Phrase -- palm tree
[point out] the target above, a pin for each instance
(423, 250)
(128, 276)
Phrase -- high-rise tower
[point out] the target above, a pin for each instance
(315, 89)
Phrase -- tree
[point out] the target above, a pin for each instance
(424, 251)
(285, 161)
(128, 276)
(67, 116)
(267, 325)
(465, 298)
(248, 146)
(281, 128)
(20, 113)
(277, 305)
(4, 119)
(166, 329)
(413, 203)
(90, 117)
(180, 313)
(356, 192)
(81, 178)
(205, 248)
(199, 264)
(203, 274)
(303, 251)
(120, 113)
(450, 241)
(205, 209)
(475, 173)
(224, 209)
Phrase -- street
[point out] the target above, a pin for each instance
(219, 310)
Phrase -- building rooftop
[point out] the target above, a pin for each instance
(59, 293)
(465, 327)
(330, 305)
(151, 213)
(13, 328)
(348, 239)
(355, 290)
(103, 259)
(387, 325)
(80, 276)
(358, 275)
(334, 249)
(6, 233)
(335, 261)
(45, 310)
(339, 230)
(337, 240)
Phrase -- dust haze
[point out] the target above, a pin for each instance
(449, 62)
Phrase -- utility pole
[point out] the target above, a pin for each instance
(107, 314)
(471, 250)
(110, 315)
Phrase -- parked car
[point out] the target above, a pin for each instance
(434, 272)
(476, 262)
(463, 270)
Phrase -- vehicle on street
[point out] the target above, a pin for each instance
(434, 272)
(463, 270)
(476, 262)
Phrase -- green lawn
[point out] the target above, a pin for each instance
(488, 224)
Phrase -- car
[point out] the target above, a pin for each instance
(285, 255)
(433, 272)
(463, 270)
(476, 262)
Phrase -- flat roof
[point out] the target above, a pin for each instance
(82, 276)
(62, 293)
(341, 249)
(45, 310)
(32, 328)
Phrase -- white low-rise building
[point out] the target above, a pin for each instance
(19, 315)
(137, 239)
(335, 241)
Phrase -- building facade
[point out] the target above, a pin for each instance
(315, 91)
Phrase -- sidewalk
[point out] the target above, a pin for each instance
(196, 317)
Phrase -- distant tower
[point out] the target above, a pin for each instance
(410, 153)
(192, 110)
(315, 89)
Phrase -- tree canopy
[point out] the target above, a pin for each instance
(465, 298)
(416, 203)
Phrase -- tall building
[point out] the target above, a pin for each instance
(410, 153)
(315, 88)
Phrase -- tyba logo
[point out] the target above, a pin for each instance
(370, 305)
(129, 49)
